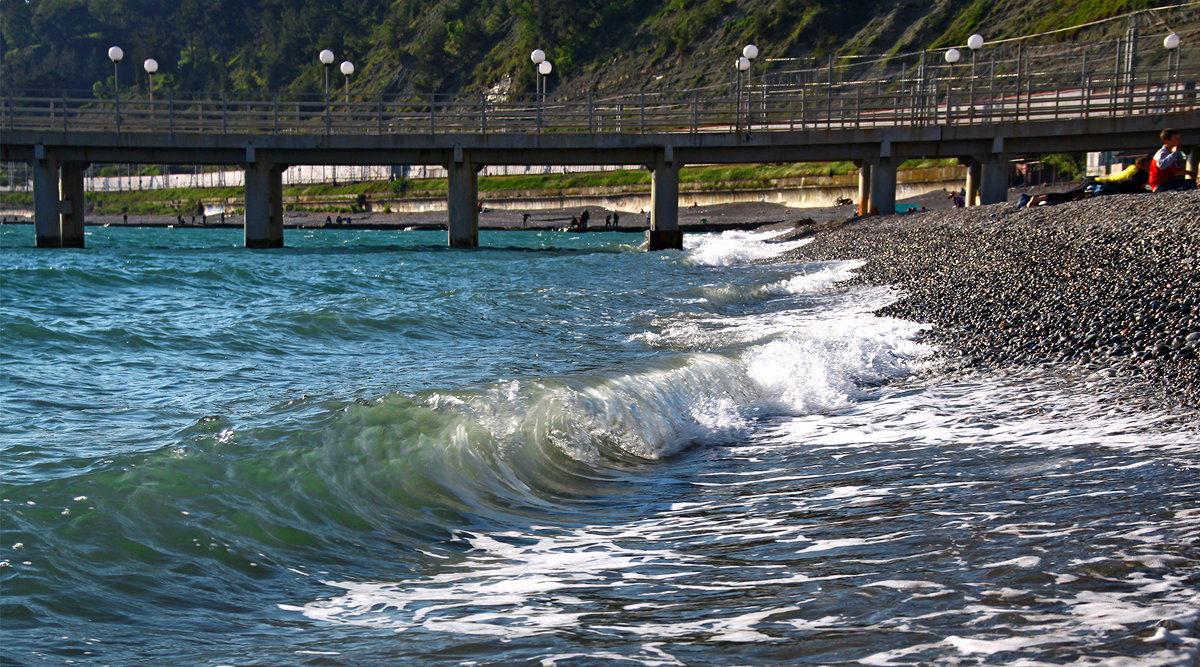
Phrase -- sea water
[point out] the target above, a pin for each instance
(555, 449)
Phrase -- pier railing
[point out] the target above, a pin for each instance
(943, 95)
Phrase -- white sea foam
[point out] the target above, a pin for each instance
(736, 247)
(821, 278)
(975, 518)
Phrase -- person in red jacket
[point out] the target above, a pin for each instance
(1167, 168)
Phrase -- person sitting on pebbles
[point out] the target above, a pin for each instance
(1168, 170)
(1130, 181)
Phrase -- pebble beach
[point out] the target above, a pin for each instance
(1109, 286)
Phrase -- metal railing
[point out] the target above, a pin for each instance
(937, 96)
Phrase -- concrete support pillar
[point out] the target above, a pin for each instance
(993, 186)
(864, 187)
(72, 204)
(47, 225)
(974, 176)
(1193, 160)
(664, 233)
(264, 205)
(462, 205)
(883, 186)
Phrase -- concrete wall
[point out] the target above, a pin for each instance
(820, 192)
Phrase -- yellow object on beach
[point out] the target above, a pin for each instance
(1124, 175)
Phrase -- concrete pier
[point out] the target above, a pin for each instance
(57, 156)
(993, 187)
(72, 204)
(974, 176)
(264, 205)
(462, 205)
(664, 232)
(46, 215)
(883, 186)
(864, 187)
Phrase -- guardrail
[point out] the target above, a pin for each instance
(945, 98)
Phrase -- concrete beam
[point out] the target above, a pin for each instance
(47, 224)
(664, 232)
(883, 186)
(264, 205)
(462, 204)
(72, 205)
(993, 187)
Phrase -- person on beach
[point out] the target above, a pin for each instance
(1168, 169)
(616, 219)
(1130, 181)
(583, 219)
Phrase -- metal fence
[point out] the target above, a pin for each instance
(945, 96)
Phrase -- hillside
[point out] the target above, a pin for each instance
(460, 45)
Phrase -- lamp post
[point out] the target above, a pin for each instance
(326, 57)
(1171, 43)
(538, 56)
(974, 42)
(347, 69)
(115, 54)
(749, 53)
(742, 64)
(151, 66)
(544, 69)
(952, 56)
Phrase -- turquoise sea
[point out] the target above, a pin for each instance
(367, 448)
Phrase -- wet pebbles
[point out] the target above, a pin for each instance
(1109, 284)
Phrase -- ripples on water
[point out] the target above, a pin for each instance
(367, 448)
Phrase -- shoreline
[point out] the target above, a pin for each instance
(714, 217)
(1108, 285)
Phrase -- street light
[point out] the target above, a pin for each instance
(538, 57)
(326, 57)
(974, 42)
(347, 70)
(1171, 43)
(151, 66)
(544, 69)
(740, 65)
(749, 53)
(115, 54)
(952, 56)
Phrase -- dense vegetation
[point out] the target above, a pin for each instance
(461, 45)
